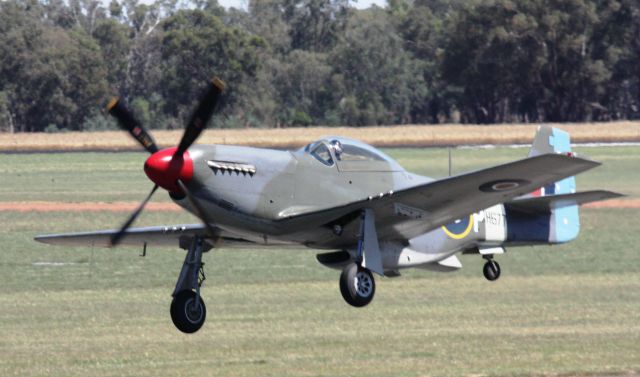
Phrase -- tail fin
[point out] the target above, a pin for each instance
(552, 140)
(564, 223)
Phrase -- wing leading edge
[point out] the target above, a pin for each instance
(152, 236)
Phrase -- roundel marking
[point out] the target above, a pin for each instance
(503, 185)
(459, 229)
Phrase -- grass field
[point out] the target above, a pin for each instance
(566, 310)
(391, 136)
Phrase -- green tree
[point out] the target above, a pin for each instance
(266, 19)
(376, 80)
(616, 41)
(422, 28)
(315, 25)
(6, 117)
(115, 44)
(529, 58)
(195, 46)
(302, 81)
(305, 62)
(52, 75)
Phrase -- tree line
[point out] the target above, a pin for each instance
(319, 62)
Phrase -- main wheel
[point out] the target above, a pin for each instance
(491, 270)
(357, 285)
(186, 314)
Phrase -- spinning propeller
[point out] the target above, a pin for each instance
(169, 168)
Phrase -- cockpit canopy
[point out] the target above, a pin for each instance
(350, 154)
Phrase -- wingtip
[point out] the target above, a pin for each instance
(579, 158)
(606, 195)
(614, 195)
(568, 157)
(589, 161)
(42, 238)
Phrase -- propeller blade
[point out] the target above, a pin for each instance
(116, 238)
(202, 215)
(129, 123)
(201, 116)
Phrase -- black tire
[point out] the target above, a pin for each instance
(183, 315)
(491, 270)
(357, 285)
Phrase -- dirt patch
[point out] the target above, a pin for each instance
(42, 206)
(288, 138)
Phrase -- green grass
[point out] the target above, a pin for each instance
(567, 310)
(74, 177)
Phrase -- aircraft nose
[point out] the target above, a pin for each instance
(164, 169)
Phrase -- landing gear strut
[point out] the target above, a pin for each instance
(357, 285)
(188, 311)
(491, 269)
(356, 281)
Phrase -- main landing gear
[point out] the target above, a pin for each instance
(188, 311)
(357, 285)
(491, 269)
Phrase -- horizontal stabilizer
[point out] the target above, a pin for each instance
(545, 204)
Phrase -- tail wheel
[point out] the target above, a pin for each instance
(357, 285)
(491, 270)
(187, 312)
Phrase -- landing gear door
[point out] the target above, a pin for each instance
(372, 259)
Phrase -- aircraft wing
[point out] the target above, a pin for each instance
(443, 201)
(413, 211)
(153, 236)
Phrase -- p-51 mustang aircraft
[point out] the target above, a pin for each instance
(341, 194)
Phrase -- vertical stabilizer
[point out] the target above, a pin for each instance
(553, 140)
(564, 222)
